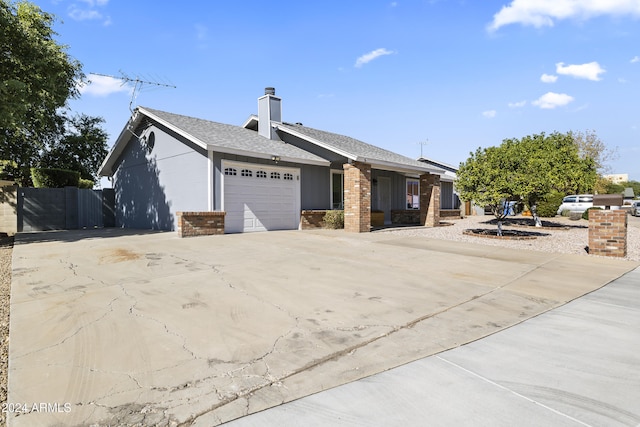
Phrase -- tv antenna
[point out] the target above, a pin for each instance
(422, 144)
(138, 83)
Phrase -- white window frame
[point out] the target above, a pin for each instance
(410, 179)
(336, 172)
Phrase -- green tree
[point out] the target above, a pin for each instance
(81, 148)
(526, 169)
(486, 178)
(37, 78)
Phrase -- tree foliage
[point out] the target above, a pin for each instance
(37, 78)
(82, 147)
(527, 170)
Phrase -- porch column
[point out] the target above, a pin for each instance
(429, 200)
(357, 197)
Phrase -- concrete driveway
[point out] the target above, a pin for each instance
(111, 327)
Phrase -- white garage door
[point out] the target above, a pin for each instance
(260, 198)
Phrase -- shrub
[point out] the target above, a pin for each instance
(548, 206)
(334, 219)
(585, 215)
(85, 183)
(54, 178)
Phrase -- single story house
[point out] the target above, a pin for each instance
(266, 174)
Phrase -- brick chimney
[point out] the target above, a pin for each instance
(269, 110)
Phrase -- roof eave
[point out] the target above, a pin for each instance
(268, 156)
(398, 167)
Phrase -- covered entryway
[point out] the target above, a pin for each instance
(260, 198)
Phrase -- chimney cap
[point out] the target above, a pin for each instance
(269, 90)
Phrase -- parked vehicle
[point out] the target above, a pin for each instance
(635, 208)
(576, 203)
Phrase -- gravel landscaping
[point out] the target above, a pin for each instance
(562, 235)
(6, 248)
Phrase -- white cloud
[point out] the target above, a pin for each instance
(89, 11)
(548, 78)
(489, 114)
(518, 104)
(544, 13)
(368, 57)
(590, 71)
(551, 100)
(103, 86)
(635, 59)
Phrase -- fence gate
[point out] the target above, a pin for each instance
(90, 209)
(68, 208)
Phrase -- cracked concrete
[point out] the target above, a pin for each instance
(149, 329)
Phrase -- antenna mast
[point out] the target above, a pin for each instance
(422, 144)
(137, 85)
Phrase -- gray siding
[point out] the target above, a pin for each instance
(152, 185)
(398, 189)
(446, 195)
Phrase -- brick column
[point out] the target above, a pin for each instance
(357, 197)
(430, 200)
(608, 233)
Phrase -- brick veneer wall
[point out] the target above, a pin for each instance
(450, 213)
(200, 223)
(357, 197)
(430, 200)
(408, 216)
(310, 219)
(608, 233)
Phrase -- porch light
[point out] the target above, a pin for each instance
(275, 158)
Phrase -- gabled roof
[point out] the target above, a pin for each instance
(210, 135)
(350, 148)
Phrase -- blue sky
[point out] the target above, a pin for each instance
(451, 74)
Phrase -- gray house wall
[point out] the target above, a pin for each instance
(398, 189)
(152, 183)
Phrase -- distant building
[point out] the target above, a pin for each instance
(617, 178)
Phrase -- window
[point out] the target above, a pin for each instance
(261, 174)
(288, 177)
(246, 172)
(413, 194)
(230, 171)
(275, 175)
(337, 185)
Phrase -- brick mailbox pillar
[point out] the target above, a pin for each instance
(200, 223)
(430, 200)
(608, 233)
(357, 197)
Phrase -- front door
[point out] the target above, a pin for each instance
(384, 197)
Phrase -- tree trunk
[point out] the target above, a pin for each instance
(499, 228)
(534, 215)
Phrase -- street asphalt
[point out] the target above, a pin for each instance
(118, 327)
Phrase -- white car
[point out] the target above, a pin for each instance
(576, 203)
(635, 208)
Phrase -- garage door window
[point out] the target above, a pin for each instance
(230, 171)
(275, 175)
(261, 174)
(247, 172)
(288, 177)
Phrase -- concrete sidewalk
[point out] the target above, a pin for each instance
(112, 327)
(576, 365)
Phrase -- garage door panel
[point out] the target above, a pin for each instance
(254, 203)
